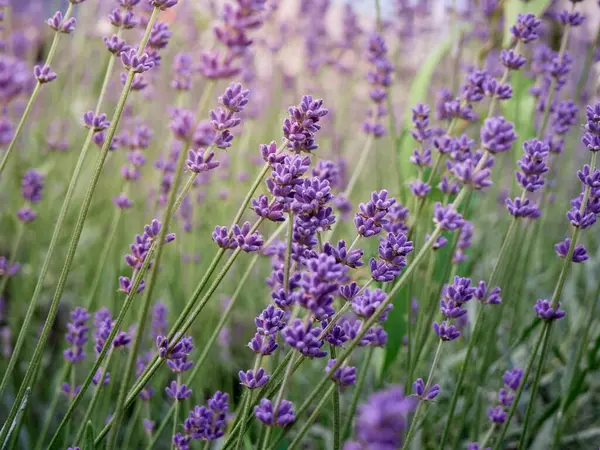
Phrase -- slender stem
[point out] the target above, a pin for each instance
(488, 436)
(558, 425)
(108, 243)
(53, 241)
(336, 407)
(415, 421)
(175, 414)
(536, 382)
(288, 254)
(267, 438)
(311, 419)
(34, 94)
(51, 410)
(92, 405)
(9, 427)
(145, 307)
(360, 381)
(513, 407)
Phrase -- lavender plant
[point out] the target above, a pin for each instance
(355, 271)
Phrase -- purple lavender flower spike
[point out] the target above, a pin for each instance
(181, 442)
(366, 304)
(285, 414)
(264, 345)
(445, 331)
(302, 124)
(349, 291)
(7, 269)
(380, 78)
(497, 414)
(77, 335)
(579, 254)
(497, 135)
(26, 215)
(201, 161)
(573, 19)
(235, 98)
(122, 339)
(544, 310)
(419, 188)
(581, 220)
(352, 259)
(512, 378)
(43, 74)
(512, 60)
(492, 297)
(344, 376)
(384, 272)
(303, 337)
(526, 28)
(95, 122)
(253, 379)
(222, 238)
(270, 321)
(375, 337)
(134, 63)
(159, 36)
(125, 285)
(163, 5)
(57, 24)
(122, 201)
(178, 392)
(465, 173)
(419, 390)
(446, 217)
(270, 211)
(246, 241)
(125, 20)
(521, 208)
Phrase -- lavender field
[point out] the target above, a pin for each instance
(299, 224)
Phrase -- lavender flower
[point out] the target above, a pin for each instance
(285, 413)
(446, 217)
(497, 135)
(352, 258)
(32, 185)
(579, 253)
(544, 310)
(178, 392)
(77, 335)
(445, 331)
(526, 28)
(43, 74)
(426, 395)
(343, 376)
(253, 379)
(134, 63)
(304, 338)
(369, 301)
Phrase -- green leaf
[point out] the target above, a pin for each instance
(513, 8)
(395, 327)
(89, 436)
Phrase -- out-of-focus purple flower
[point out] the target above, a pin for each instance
(32, 185)
(285, 413)
(26, 215)
(122, 201)
(380, 78)
(57, 23)
(7, 269)
(512, 60)
(349, 291)
(573, 19)
(465, 174)
(419, 188)
(544, 310)
(163, 4)
(201, 161)
(464, 242)
(383, 271)
(497, 414)
(381, 421)
(420, 120)
(125, 20)
(579, 254)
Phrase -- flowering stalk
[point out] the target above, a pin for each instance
(413, 425)
(311, 419)
(52, 408)
(95, 397)
(55, 236)
(79, 226)
(107, 345)
(575, 372)
(336, 407)
(36, 90)
(360, 381)
(13, 255)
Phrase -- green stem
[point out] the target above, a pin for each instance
(488, 436)
(175, 414)
(415, 421)
(169, 212)
(311, 419)
(515, 402)
(92, 405)
(53, 241)
(360, 381)
(108, 344)
(574, 376)
(9, 430)
(13, 253)
(34, 95)
(52, 407)
(108, 243)
(336, 407)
